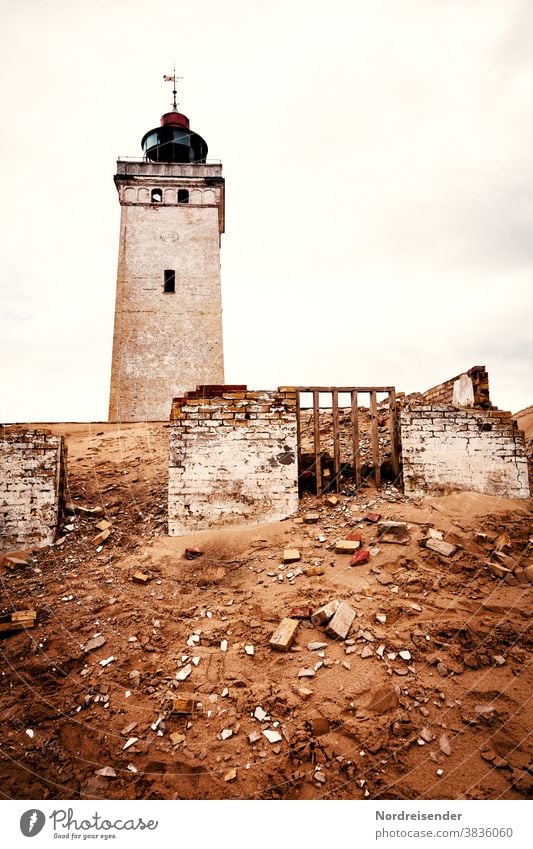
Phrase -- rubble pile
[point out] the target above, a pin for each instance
(374, 646)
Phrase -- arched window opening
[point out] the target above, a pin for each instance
(183, 196)
(157, 196)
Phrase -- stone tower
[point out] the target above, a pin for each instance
(168, 313)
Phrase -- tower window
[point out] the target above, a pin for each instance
(170, 280)
(183, 196)
(157, 196)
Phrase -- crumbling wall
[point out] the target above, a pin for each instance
(445, 449)
(470, 389)
(232, 458)
(32, 474)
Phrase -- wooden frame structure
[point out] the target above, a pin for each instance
(354, 392)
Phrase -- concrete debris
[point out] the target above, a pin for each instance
(283, 637)
(311, 518)
(325, 613)
(341, 622)
(346, 546)
(446, 549)
(184, 673)
(306, 673)
(291, 555)
(141, 578)
(272, 736)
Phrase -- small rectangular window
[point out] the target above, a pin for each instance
(170, 280)
(183, 196)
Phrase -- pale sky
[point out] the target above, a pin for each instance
(378, 159)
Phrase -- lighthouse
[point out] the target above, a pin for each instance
(168, 311)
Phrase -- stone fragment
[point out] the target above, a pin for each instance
(499, 660)
(316, 646)
(306, 673)
(260, 714)
(283, 637)
(405, 654)
(446, 549)
(250, 650)
(130, 742)
(384, 579)
(314, 570)
(325, 613)
(192, 553)
(304, 692)
(341, 622)
(103, 525)
(141, 578)
(94, 643)
(184, 673)
(291, 555)
(176, 738)
(346, 546)
(381, 618)
(230, 775)
(384, 699)
(367, 652)
(371, 517)
(311, 518)
(254, 737)
(107, 661)
(272, 736)
(106, 772)
(332, 500)
(528, 572)
(359, 558)
(426, 734)
(444, 745)
(226, 733)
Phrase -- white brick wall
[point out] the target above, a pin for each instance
(445, 449)
(233, 460)
(31, 472)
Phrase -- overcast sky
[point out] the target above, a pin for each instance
(379, 175)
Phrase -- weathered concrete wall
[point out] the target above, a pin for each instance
(233, 458)
(445, 449)
(31, 486)
(166, 343)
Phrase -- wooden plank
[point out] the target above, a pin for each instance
(316, 437)
(356, 461)
(394, 431)
(375, 436)
(21, 625)
(336, 440)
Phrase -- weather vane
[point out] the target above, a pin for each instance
(171, 78)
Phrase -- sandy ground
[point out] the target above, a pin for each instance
(451, 721)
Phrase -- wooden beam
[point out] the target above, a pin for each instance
(375, 436)
(316, 442)
(336, 440)
(385, 389)
(356, 461)
(394, 432)
(298, 435)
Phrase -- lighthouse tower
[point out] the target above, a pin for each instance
(168, 313)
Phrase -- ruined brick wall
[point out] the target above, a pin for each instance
(232, 458)
(445, 449)
(443, 394)
(32, 470)
(166, 342)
